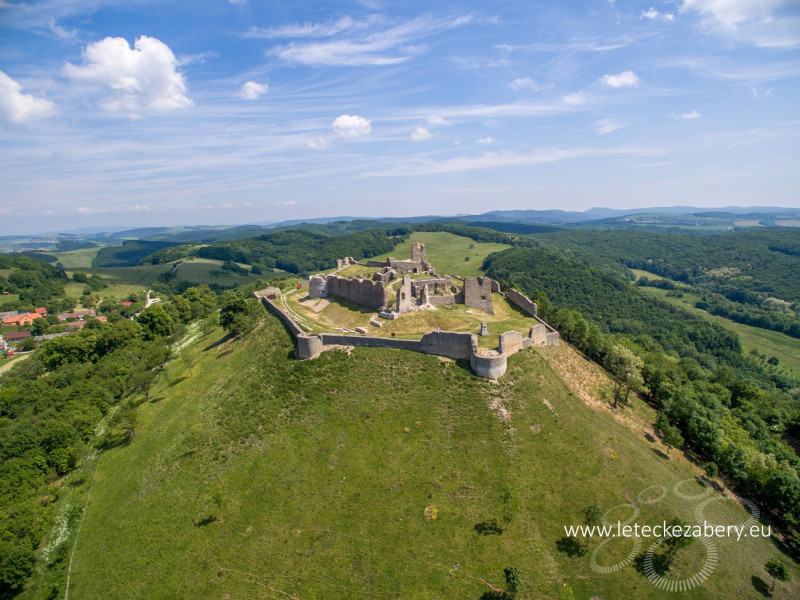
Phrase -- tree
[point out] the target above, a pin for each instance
(156, 322)
(677, 540)
(233, 306)
(670, 435)
(210, 323)
(80, 277)
(626, 369)
(513, 580)
(238, 315)
(777, 570)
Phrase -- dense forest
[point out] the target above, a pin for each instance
(36, 282)
(759, 262)
(295, 251)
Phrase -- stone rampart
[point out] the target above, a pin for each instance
(460, 346)
(294, 328)
(522, 301)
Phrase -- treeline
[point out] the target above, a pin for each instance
(295, 251)
(762, 261)
(729, 410)
(36, 282)
(784, 321)
(51, 404)
(612, 304)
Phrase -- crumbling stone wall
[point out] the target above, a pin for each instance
(404, 301)
(365, 292)
(478, 293)
(435, 285)
(318, 286)
(510, 342)
(522, 301)
(385, 274)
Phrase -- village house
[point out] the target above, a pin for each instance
(22, 319)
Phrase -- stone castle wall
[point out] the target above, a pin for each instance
(522, 301)
(478, 293)
(365, 292)
(460, 346)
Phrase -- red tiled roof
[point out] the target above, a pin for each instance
(41, 311)
(21, 319)
(18, 335)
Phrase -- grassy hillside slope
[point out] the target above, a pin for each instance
(253, 475)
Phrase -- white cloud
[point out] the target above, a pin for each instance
(691, 115)
(311, 29)
(654, 15)
(624, 79)
(606, 126)
(60, 31)
(287, 203)
(17, 107)
(438, 120)
(252, 90)
(576, 99)
(351, 126)
(141, 79)
(485, 140)
(527, 83)
(387, 46)
(320, 143)
(420, 134)
(732, 12)
(238, 2)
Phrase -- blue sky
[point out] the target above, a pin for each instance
(146, 112)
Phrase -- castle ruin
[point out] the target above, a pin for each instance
(412, 294)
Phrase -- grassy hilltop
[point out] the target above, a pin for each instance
(380, 474)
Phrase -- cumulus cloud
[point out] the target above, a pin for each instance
(624, 79)
(733, 12)
(139, 80)
(17, 107)
(485, 140)
(253, 90)
(351, 126)
(691, 115)
(420, 134)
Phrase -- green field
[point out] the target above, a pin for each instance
(6, 298)
(446, 252)
(372, 474)
(76, 260)
(772, 343)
